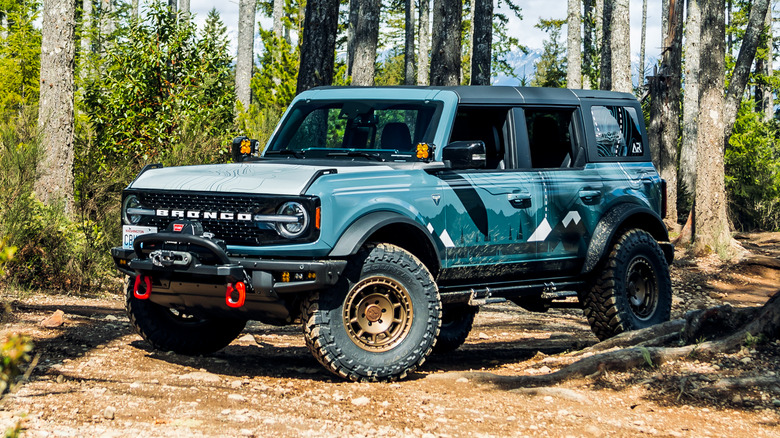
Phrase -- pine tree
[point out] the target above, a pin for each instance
(245, 57)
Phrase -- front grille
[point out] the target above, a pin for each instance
(233, 232)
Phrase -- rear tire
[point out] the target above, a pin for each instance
(170, 330)
(379, 322)
(634, 290)
(456, 323)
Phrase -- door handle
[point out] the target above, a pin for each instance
(589, 196)
(519, 200)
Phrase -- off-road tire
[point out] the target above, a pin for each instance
(330, 329)
(456, 323)
(634, 290)
(168, 330)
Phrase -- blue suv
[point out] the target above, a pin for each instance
(382, 218)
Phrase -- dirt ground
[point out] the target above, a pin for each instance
(97, 378)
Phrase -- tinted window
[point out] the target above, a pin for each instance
(617, 131)
(550, 137)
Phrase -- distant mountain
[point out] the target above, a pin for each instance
(522, 67)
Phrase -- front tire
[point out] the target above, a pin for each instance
(634, 290)
(379, 322)
(170, 330)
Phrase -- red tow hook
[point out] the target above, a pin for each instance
(147, 287)
(240, 291)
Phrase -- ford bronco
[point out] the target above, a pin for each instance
(380, 219)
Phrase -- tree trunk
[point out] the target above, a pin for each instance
(409, 44)
(605, 70)
(621, 47)
(643, 43)
(246, 42)
(711, 223)
(172, 7)
(55, 112)
(446, 47)
(741, 73)
(106, 21)
(691, 97)
(482, 44)
(354, 16)
(764, 98)
(574, 45)
(318, 44)
(424, 43)
(665, 91)
(589, 32)
(184, 6)
(86, 38)
(278, 16)
(366, 37)
(664, 18)
(133, 9)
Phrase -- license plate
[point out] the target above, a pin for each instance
(130, 232)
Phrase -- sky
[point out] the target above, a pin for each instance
(524, 30)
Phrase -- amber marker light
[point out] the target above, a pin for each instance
(422, 151)
(317, 217)
(246, 146)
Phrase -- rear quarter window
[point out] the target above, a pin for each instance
(618, 134)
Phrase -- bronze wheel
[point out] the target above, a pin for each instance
(378, 313)
(380, 321)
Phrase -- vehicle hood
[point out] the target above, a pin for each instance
(254, 177)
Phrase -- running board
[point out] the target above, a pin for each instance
(475, 296)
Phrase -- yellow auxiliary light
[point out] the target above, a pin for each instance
(246, 146)
(423, 151)
(285, 277)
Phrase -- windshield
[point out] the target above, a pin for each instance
(367, 129)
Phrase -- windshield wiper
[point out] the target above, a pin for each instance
(368, 155)
(296, 154)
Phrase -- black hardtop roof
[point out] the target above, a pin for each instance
(506, 95)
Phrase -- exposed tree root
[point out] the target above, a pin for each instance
(702, 333)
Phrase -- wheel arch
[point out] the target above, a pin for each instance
(618, 220)
(393, 228)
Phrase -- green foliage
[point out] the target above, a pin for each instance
(752, 161)
(551, 66)
(646, 356)
(14, 354)
(20, 55)
(274, 83)
(159, 85)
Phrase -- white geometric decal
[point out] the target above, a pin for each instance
(572, 216)
(430, 228)
(541, 233)
(446, 240)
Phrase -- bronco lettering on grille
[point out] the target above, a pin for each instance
(195, 214)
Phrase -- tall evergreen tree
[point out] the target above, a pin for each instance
(409, 43)
(574, 45)
(605, 67)
(482, 42)
(424, 43)
(620, 40)
(318, 44)
(691, 97)
(245, 57)
(366, 38)
(446, 47)
(710, 219)
(551, 66)
(55, 113)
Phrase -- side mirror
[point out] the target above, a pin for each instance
(244, 148)
(465, 155)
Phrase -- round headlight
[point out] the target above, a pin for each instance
(293, 229)
(131, 201)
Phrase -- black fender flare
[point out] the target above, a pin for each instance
(359, 231)
(625, 216)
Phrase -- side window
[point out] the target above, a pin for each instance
(485, 124)
(617, 132)
(551, 137)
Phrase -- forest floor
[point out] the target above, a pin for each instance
(97, 378)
